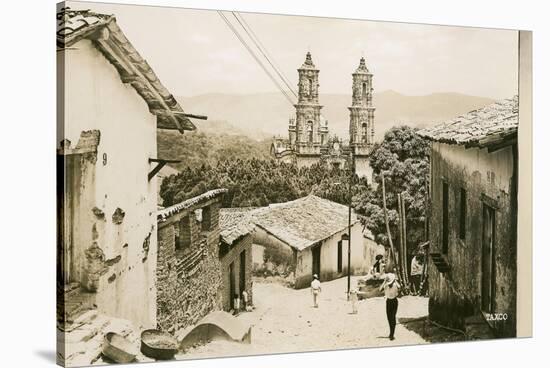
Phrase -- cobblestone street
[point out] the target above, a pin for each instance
(285, 321)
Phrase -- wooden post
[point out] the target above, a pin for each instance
(400, 230)
(405, 259)
(387, 222)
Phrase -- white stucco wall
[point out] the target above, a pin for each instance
(96, 99)
(329, 257)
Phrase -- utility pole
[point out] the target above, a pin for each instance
(351, 169)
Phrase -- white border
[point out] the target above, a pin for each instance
(28, 193)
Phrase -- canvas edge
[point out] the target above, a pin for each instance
(524, 294)
(60, 135)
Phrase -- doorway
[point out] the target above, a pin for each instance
(316, 261)
(68, 192)
(488, 260)
(242, 273)
(231, 285)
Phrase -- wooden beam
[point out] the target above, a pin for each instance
(112, 48)
(165, 113)
(165, 161)
(123, 64)
(161, 163)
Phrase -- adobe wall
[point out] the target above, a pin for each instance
(487, 178)
(115, 242)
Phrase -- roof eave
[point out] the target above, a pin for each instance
(109, 39)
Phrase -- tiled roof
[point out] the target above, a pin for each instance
(235, 223)
(165, 213)
(303, 222)
(484, 127)
(108, 38)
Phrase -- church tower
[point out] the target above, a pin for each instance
(307, 133)
(361, 123)
(361, 120)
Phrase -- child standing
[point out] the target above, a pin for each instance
(353, 299)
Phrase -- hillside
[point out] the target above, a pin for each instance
(263, 115)
(197, 148)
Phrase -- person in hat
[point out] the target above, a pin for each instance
(376, 272)
(378, 267)
(391, 287)
(417, 268)
(315, 290)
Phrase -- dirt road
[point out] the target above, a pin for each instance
(285, 321)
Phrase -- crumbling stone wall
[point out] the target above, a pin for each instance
(189, 278)
(487, 177)
(234, 255)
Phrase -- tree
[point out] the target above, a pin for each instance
(403, 157)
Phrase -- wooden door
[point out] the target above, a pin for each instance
(488, 260)
(68, 168)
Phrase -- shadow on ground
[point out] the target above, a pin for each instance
(47, 355)
(430, 332)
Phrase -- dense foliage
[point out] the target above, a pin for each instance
(402, 156)
(254, 182)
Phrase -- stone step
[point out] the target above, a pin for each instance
(477, 328)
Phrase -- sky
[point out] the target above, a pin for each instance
(193, 52)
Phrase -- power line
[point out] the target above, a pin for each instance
(263, 50)
(252, 35)
(243, 42)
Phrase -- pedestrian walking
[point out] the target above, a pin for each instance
(315, 290)
(391, 287)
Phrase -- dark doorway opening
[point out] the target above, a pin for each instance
(242, 273)
(232, 285)
(316, 265)
(445, 219)
(339, 256)
(68, 193)
(488, 260)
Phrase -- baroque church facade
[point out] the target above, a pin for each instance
(308, 139)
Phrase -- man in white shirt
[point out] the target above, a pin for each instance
(315, 289)
(391, 292)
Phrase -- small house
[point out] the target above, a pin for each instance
(309, 236)
(110, 105)
(236, 256)
(473, 222)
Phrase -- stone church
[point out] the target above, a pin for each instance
(308, 133)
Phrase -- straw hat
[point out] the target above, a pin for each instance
(390, 277)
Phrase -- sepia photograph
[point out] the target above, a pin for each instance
(233, 183)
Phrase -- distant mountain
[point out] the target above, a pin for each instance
(262, 115)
